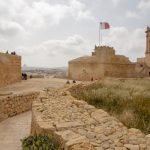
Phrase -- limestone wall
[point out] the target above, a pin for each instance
(86, 71)
(15, 104)
(79, 126)
(120, 70)
(10, 69)
(102, 63)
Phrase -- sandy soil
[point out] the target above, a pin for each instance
(36, 84)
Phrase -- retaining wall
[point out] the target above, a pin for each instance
(16, 104)
(79, 126)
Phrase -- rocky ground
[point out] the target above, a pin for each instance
(81, 126)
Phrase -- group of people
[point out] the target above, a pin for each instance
(68, 82)
(12, 53)
(74, 81)
(24, 76)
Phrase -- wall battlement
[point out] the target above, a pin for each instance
(104, 50)
(10, 69)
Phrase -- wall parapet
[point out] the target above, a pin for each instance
(77, 125)
(16, 104)
(10, 69)
(9, 55)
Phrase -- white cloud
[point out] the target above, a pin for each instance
(71, 47)
(115, 2)
(79, 11)
(40, 14)
(10, 28)
(8, 15)
(132, 14)
(2, 42)
(126, 42)
(144, 5)
(141, 11)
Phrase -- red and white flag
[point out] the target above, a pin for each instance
(104, 25)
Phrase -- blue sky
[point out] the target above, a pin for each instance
(49, 33)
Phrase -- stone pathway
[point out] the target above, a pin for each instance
(14, 129)
(76, 122)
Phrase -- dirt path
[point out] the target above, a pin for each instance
(36, 84)
(14, 129)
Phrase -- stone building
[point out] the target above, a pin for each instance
(10, 69)
(143, 64)
(105, 63)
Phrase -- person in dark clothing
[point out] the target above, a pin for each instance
(24, 76)
(74, 81)
(68, 82)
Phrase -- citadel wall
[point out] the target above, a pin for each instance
(10, 69)
(85, 71)
(103, 63)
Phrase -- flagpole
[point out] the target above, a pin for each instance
(102, 25)
(101, 38)
(99, 33)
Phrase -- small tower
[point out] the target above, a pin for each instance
(147, 53)
(148, 40)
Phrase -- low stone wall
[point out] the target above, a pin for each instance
(79, 126)
(16, 104)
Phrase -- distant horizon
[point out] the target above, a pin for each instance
(43, 67)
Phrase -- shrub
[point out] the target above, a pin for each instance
(40, 142)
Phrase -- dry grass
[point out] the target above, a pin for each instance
(127, 99)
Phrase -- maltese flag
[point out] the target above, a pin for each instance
(104, 25)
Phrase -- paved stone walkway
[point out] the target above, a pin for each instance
(14, 129)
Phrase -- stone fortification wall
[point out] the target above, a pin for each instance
(120, 70)
(102, 63)
(15, 104)
(86, 71)
(79, 126)
(10, 69)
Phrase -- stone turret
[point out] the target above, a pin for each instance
(147, 53)
(104, 53)
(148, 40)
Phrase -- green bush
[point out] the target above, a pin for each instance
(40, 142)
